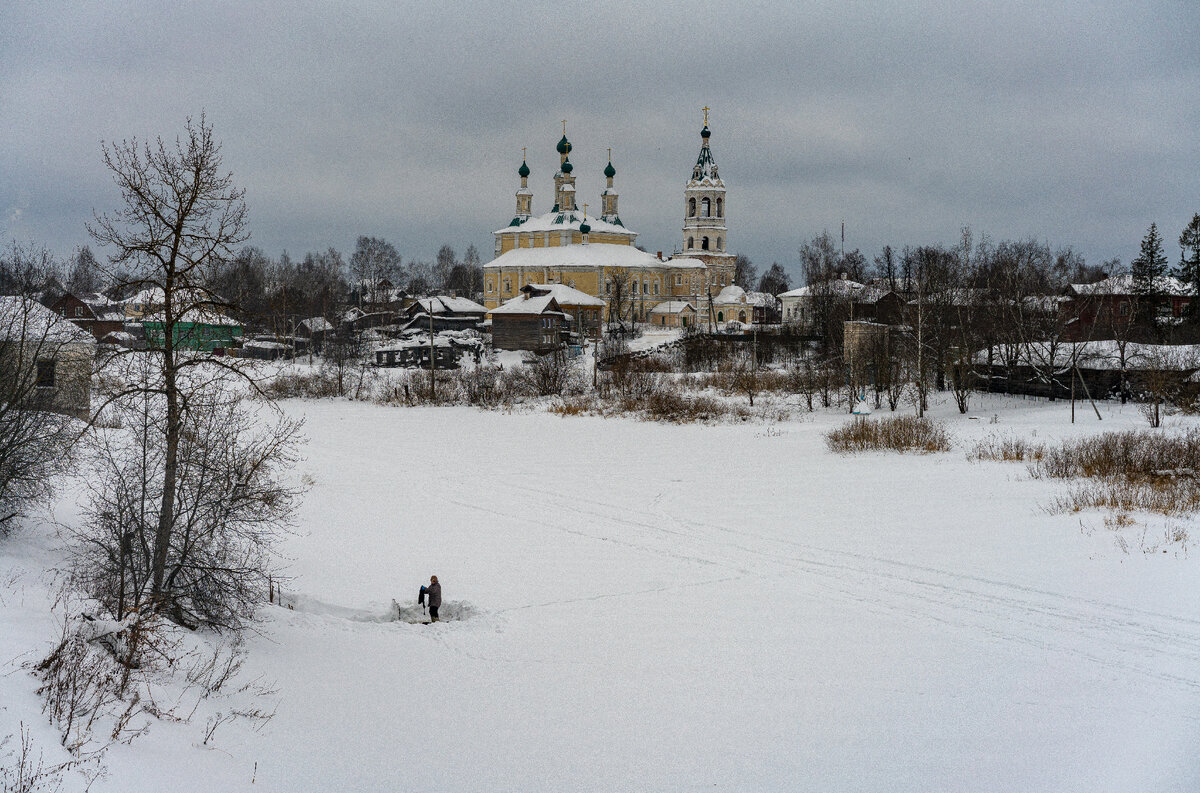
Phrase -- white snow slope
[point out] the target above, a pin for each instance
(650, 607)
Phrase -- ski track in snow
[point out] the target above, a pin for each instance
(1136, 640)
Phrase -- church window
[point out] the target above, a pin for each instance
(704, 243)
(691, 243)
(720, 316)
(705, 208)
(720, 207)
(691, 207)
(507, 285)
(645, 287)
(741, 316)
(679, 280)
(489, 285)
(572, 283)
(656, 286)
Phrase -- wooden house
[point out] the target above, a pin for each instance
(529, 322)
(93, 312)
(449, 313)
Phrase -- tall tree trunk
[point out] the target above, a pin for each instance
(166, 514)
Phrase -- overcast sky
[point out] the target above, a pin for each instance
(1077, 123)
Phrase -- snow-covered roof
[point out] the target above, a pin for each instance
(316, 324)
(841, 287)
(444, 304)
(1124, 285)
(413, 343)
(153, 296)
(198, 316)
(673, 307)
(565, 295)
(590, 256)
(962, 296)
(566, 221)
(731, 294)
(266, 345)
(538, 304)
(25, 319)
(872, 294)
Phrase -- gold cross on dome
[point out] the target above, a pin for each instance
(706, 115)
(585, 211)
(610, 153)
(522, 154)
(564, 127)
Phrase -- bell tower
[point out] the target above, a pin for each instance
(524, 194)
(564, 182)
(609, 196)
(704, 234)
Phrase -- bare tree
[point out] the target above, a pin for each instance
(620, 300)
(34, 437)
(774, 281)
(84, 274)
(181, 218)
(228, 505)
(744, 272)
(443, 266)
(374, 259)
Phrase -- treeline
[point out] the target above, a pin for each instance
(266, 293)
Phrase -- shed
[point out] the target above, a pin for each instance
(45, 361)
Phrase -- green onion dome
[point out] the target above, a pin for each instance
(567, 167)
(704, 133)
(610, 171)
(523, 171)
(584, 228)
(564, 146)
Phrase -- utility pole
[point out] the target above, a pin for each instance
(432, 368)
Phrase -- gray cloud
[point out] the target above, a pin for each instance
(1075, 122)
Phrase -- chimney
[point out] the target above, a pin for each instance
(660, 256)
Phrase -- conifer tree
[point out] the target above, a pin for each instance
(1148, 270)
(1189, 263)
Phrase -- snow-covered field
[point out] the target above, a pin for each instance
(649, 607)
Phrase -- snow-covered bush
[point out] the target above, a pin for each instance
(895, 433)
(230, 505)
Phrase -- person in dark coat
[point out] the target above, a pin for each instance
(434, 593)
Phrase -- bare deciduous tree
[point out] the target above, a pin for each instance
(181, 218)
(33, 438)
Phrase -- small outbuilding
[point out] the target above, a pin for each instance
(674, 314)
(39, 349)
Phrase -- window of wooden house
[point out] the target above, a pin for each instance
(1124, 309)
(679, 280)
(45, 373)
(79, 311)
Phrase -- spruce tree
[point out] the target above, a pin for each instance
(1148, 270)
(1189, 264)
